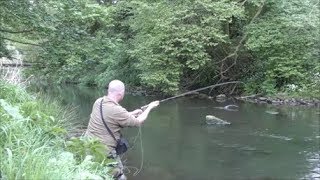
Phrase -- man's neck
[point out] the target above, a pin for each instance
(113, 98)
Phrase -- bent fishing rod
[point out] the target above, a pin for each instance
(193, 91)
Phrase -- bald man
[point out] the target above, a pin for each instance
(116, 117)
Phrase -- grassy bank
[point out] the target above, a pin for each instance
(33, 143)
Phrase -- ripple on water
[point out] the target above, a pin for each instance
(243, 148)
(273, 136)
(314, 163)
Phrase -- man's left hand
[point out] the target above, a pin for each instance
(136, 112)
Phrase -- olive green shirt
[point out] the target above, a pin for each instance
(115, 117)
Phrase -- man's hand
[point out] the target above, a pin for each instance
(154, 104)
(136, 112)
(151, 105)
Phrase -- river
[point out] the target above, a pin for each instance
(178, 144)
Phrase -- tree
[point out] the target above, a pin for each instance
(285, 42)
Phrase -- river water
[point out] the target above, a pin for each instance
(178, 144)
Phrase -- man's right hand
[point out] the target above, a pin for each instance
(143, 116)
(154, 104)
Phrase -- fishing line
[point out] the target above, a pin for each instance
(137, 170)
(142, 153)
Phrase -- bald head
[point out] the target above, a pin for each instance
(116, 90)
(115, 86)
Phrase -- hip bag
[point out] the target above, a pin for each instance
(122, 144)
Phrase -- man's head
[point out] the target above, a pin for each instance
(116, 90)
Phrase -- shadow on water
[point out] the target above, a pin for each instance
(262, 141)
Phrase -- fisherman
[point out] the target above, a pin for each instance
(116, 117)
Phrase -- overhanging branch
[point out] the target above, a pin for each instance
(13, 40)
(235, 53)
(15, 32)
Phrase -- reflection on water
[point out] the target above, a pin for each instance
(178, 144)
(314, 164)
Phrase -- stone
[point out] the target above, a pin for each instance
(276, 102)
(269, 101)
(262, 99)
(221, 96)
(203, 96)
(211, 120)
(272, 112)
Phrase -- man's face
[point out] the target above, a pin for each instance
(121, 95)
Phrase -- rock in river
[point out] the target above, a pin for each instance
(211, 120)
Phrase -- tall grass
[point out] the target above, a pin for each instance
(33, 144)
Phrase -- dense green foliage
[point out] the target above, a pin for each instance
(285, 42)
(171, 45)
(32, 144)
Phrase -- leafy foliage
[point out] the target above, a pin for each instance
(168, 45)
(32, 138)
(175, 39)
(83, 147)
(285, 43)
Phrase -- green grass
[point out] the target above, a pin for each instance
(33, 144)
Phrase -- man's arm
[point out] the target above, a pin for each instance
(136, 112)
(143, 116)
(126, 119)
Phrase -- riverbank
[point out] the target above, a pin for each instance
(33, 143)
(280, 99)
(288, 101)
(258, 99)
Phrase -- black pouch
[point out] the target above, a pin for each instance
(122, 146)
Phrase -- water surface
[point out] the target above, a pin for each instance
(178, 144)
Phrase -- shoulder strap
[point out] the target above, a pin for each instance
(105, 124)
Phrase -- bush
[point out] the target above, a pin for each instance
(284, 41)
(32, 141)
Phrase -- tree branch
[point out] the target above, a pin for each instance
(243, 2)
(20, 41)
(235, 53)
(14, 32)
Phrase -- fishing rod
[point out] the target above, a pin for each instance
(193, 91)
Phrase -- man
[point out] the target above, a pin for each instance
(116, 117)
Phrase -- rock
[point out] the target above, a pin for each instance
(310, 104)
(276, 102)
(301, 101)
(281, 101)
(221, 100)
(203, 96)
(138, 93)
(263, 102)
(272, 112)
(262, 99)
(251, 101)
(192, 94)
(211, 120)
(269, 101)
(221, 96)
(231, 107)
